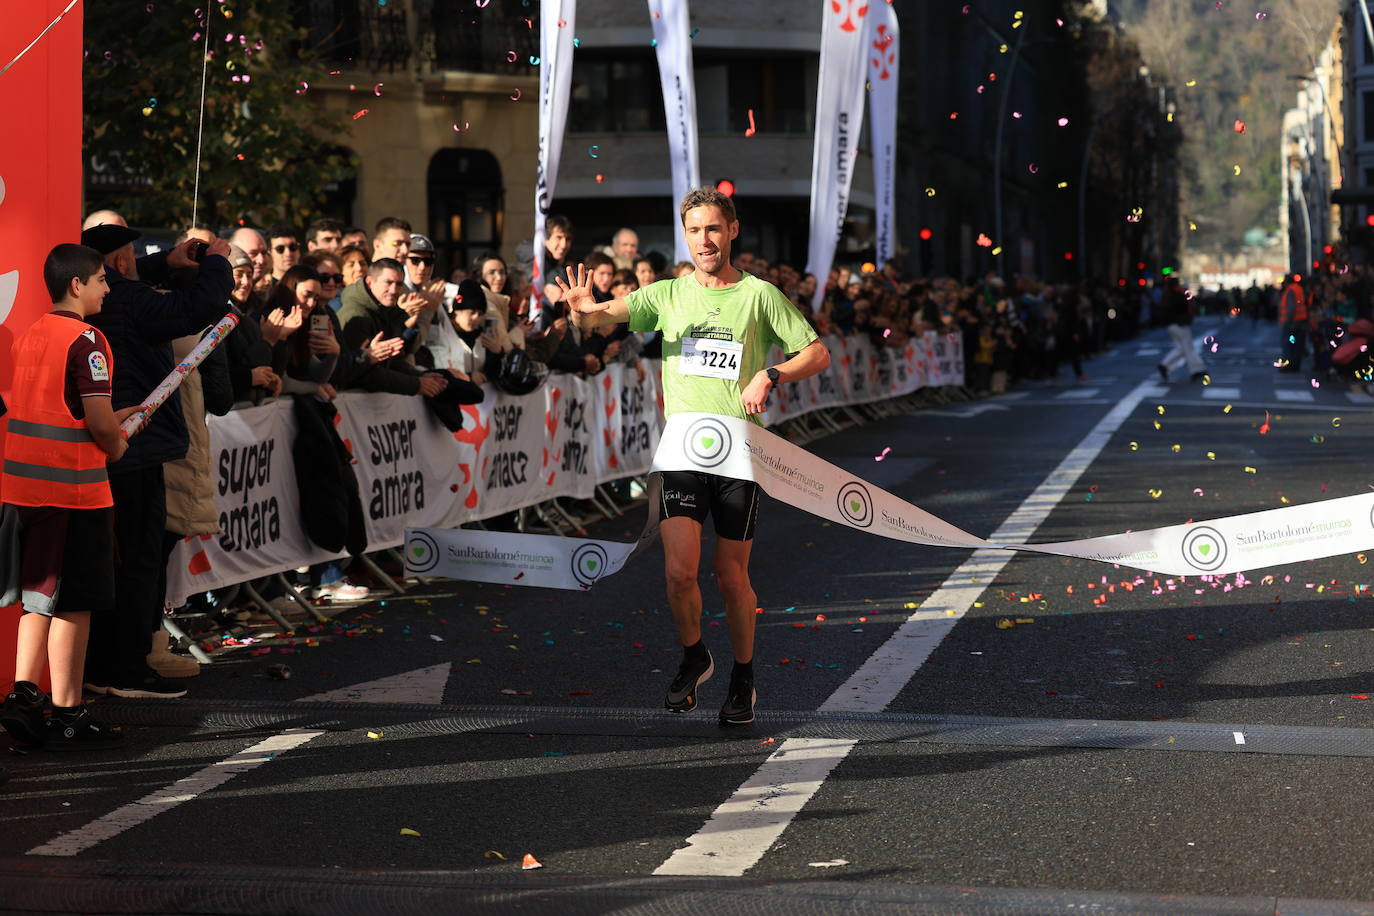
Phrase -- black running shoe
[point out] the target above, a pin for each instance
(82, 732)
(1163, 373)
(145, 683)
(22, 715)
(739, 702)
(682, 692)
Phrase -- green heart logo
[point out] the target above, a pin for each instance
(1204, 549)
(417, 551)
(855, 506)
(592, 565)
(708, 441)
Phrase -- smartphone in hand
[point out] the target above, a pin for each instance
(319, 322)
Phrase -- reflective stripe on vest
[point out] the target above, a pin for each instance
(56, 475)
(50, 457)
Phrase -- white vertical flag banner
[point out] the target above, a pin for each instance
(673, 45)
(556, 22)
(883, 57)
(839, 118)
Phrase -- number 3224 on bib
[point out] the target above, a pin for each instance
(711, 358)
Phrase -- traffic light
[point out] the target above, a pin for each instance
(726, 186)
(927, 252)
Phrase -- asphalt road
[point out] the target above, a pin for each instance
(1133, 743)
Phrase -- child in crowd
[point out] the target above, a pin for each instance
(62, 432)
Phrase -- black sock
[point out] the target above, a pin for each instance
(695, 652)
(27, 689)
(743, 671)
(66, 713)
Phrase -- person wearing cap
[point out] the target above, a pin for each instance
(140, 322)
(247, 351)
(464, 341)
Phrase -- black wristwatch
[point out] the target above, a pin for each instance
(773, 374)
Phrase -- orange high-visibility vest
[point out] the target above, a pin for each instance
(51, 459)
(1299, 313)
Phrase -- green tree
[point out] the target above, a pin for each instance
(267, 153)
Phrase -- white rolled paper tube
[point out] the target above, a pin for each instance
(159, 395)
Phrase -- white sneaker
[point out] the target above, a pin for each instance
(343, 590)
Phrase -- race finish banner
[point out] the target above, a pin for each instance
(731, 447)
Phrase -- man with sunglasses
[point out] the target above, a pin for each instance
(419, 264)
(285, 249)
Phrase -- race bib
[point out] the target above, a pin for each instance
(711, 358)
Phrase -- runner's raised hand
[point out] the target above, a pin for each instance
(577, 291)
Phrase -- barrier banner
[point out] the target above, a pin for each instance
(673, 48)
(257, 501)
(839, 118)
(405, 461)
(883, 56)
(556, 24)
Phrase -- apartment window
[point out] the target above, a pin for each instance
(1367, 104)
(617, 93)
(774, 88)
(466, 205)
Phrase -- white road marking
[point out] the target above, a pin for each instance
(1149, 351)
(1359, 397)
(1076, 394)
(423, 685)
(1214, 393)
(183, 790)
(1239, 736)
(1293, 397)
(741, 830)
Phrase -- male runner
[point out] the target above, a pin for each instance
(718, 325)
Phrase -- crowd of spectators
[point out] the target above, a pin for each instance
(334, 307)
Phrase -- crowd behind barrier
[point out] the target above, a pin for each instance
(514, 452)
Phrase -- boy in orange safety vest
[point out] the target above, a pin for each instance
(62, 432)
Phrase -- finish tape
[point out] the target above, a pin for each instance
(736, 448)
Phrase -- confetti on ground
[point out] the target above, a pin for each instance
(530, 862)
(830, 864)
(359, 113)
(406, 831)
(493, 854)
(375, 735)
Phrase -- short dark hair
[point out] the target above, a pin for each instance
(390, 222)
(316, 258)
(281, 232)
(381, 264)
(596, 259)
(560, 222)
(312, 232)
(707, 197)
(68, 261)
(350, 230)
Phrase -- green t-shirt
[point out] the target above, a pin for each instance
(752, 312)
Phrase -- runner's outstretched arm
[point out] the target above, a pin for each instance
(577, 291)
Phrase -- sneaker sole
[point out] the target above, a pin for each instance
(138, 693)
(724, 720)
(692, 697)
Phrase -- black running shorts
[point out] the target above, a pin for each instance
(732, 504)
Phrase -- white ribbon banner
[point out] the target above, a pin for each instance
(883, 57)
(1239, 543)
(730, 447)
(839, 118)
(673, 47)
(556, 23)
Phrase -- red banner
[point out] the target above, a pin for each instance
(40, 178)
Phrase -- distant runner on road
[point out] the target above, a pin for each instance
(718, 325)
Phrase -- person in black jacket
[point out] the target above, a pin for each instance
(140, 322)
